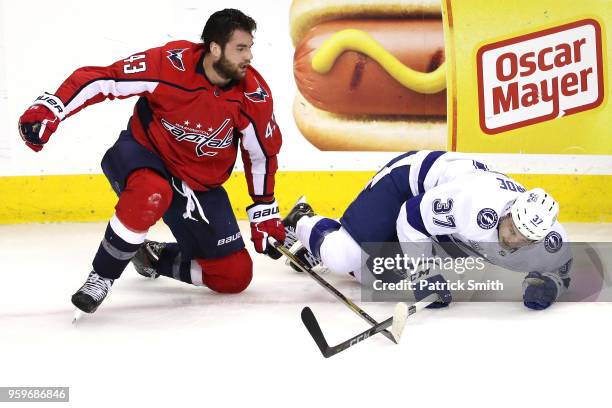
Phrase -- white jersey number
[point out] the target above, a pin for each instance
(131, 68)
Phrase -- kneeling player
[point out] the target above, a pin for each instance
(199, 104)
(428, 196)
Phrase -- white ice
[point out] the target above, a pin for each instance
(164, 343)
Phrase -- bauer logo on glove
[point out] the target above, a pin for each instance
(265, 221)
(41, 120)
(265, 214)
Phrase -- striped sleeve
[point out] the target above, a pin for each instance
(261, 137)
(135, 75)
(410, 225)
(260, 164)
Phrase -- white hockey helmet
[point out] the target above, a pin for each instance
(534, 212)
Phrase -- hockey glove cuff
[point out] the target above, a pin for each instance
(539, 291)
(41, 120)
(265, 221)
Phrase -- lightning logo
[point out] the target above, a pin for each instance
(176, 58)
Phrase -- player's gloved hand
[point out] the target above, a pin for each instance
(40, 120)
(433, 284)
(539, 291)
(265, 221)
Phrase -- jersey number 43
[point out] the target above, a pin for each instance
(131, 67)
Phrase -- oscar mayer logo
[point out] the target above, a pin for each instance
(540, 76)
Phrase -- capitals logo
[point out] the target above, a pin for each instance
(202, 138)
(259, 95)
(176, 58)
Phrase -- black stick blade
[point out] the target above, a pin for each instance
(310, 321)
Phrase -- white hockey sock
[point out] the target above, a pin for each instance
(303, 229)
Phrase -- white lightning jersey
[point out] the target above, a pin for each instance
(459, 200)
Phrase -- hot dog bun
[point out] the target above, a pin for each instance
(359, 103)
(305, 14)
(329, 131)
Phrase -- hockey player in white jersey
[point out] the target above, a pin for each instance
(427, 196)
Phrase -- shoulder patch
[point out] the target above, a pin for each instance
(487, 218)
(176, 58)
(553, 242)
(258, 95)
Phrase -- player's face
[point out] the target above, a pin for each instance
(236, 56)
(509, 236)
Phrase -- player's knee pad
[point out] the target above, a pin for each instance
(229, 274)
(340, 253)
(145, 199)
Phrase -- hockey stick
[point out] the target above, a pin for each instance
(398, 321)
(351, 305)
(403, 312)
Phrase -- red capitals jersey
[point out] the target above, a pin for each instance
(194, 126)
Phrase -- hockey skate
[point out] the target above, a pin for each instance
(308, 259)
(147, 257)
(299, 210)
(92, 293)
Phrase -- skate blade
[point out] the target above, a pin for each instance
(78, 314)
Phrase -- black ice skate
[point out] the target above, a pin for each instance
(147, 258)
(92, 293)
(299, 210)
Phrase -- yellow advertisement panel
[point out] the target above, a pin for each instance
(528, 76)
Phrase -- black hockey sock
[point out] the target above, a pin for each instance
(115, 252)
(172, 265)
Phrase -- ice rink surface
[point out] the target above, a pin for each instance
(164, 343)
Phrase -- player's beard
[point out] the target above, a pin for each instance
(228, 69)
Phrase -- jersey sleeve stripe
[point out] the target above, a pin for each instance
(258, 159)
(158, 81)
(426, 165)
(413, 215)
(254, 129)
(108, 87)
(406, 231)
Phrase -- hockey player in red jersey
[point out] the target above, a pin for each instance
(198, 105)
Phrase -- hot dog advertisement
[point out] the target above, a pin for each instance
(371, 74)
(461, 75)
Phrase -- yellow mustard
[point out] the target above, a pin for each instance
(360, 41)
